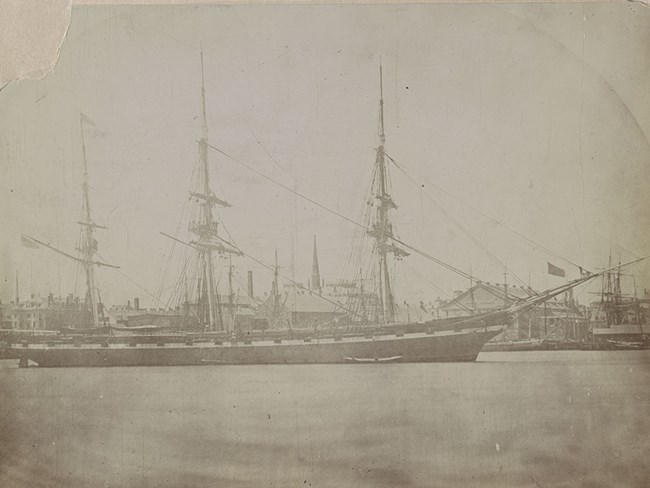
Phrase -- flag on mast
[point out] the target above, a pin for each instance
(87, 120)
(555, 270)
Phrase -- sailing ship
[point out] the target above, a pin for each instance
(619, 320)
(381, 340)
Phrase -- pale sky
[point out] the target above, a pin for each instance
(536, 115)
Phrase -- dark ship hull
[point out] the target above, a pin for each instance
(443, 346)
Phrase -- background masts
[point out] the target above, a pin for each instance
(276, 292)
(231, 296)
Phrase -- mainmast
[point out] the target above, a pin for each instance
(206, 228)
(382, 229)
(88, 242)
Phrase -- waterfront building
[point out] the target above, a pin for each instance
(557, 319)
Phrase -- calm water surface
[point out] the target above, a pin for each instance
(538, 419)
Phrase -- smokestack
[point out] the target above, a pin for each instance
(315, 272)
(250, 284)
(136, 303)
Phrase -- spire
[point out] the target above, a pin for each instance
(315, 272)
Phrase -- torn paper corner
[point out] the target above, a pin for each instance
(31, 36)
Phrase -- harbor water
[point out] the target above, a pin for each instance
(538, 419)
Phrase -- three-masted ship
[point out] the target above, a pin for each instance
(619, 321)
(383, 340)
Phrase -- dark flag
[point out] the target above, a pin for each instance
(554, 270)
(27, 242)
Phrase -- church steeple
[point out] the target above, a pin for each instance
(315, 273)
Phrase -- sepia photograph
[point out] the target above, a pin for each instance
(335, 245)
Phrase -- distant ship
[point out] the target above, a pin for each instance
(620, 321)
(377, 341)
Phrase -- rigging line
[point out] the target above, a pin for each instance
(462, 228)
(166, 266)
(435, 260)
(79, 260)
(518, 234)
(355, 252)
(320, 205)
(580, 122)
(136, 284)
(269, 155)
(176, 290)
(615, 245)
(273, 269)
(300, 285)
(545, 295)
(439, 290)
(283, 186)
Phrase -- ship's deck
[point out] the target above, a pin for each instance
(68, 343)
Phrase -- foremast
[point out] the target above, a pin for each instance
(88, 245)
(205, 227)
(382, 229)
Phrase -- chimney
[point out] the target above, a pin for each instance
(315, 272)
(251, 292)
(136, 303)
(17, 291)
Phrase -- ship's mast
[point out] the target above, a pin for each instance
(206, 227)
(89, 244)
(382, 229)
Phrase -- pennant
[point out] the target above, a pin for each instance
(554, 270)
(87, 120)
